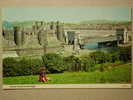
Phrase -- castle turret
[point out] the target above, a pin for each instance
(60, 32)
(42, 36)
(19, 37)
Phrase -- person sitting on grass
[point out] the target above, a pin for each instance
(42, 75)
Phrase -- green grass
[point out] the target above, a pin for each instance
(119, 74)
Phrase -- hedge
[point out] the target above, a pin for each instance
(56, 63)
(20, 67)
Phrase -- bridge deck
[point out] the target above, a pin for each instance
(99, 39)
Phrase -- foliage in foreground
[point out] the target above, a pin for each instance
(56, 63)
(119, 74)
(20, 67)
(53, 62)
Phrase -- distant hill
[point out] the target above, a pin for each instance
(105, 22)
(8, 24)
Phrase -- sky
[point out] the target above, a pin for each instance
(67, 14)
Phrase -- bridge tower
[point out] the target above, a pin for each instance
(120, 35)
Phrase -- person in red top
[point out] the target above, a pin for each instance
(42, 75)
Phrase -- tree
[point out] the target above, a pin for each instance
(100, 57)
(53, 62)
(87, 63)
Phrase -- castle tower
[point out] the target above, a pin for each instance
(60, 32)
(42, 36)
(19, 37)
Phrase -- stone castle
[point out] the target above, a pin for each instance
(44, 37)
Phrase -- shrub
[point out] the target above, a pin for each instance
(35, 66)
(30, 66)
(21, 67)
(121, 53)
(87, 63)
(100, 57)
(72, 63)
(115, 57)
(10, 67)
(125, 53)
(53, 62)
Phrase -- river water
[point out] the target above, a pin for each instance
(91, 46)
(94, 46)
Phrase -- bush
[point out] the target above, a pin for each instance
(115, 57)
(53, 62)
(30, 66)
(21, 67)
(72, 63)
(100, 57)
(36, 64)
(121, 53)
(125, 53)
(87, 63)
(10, 67)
